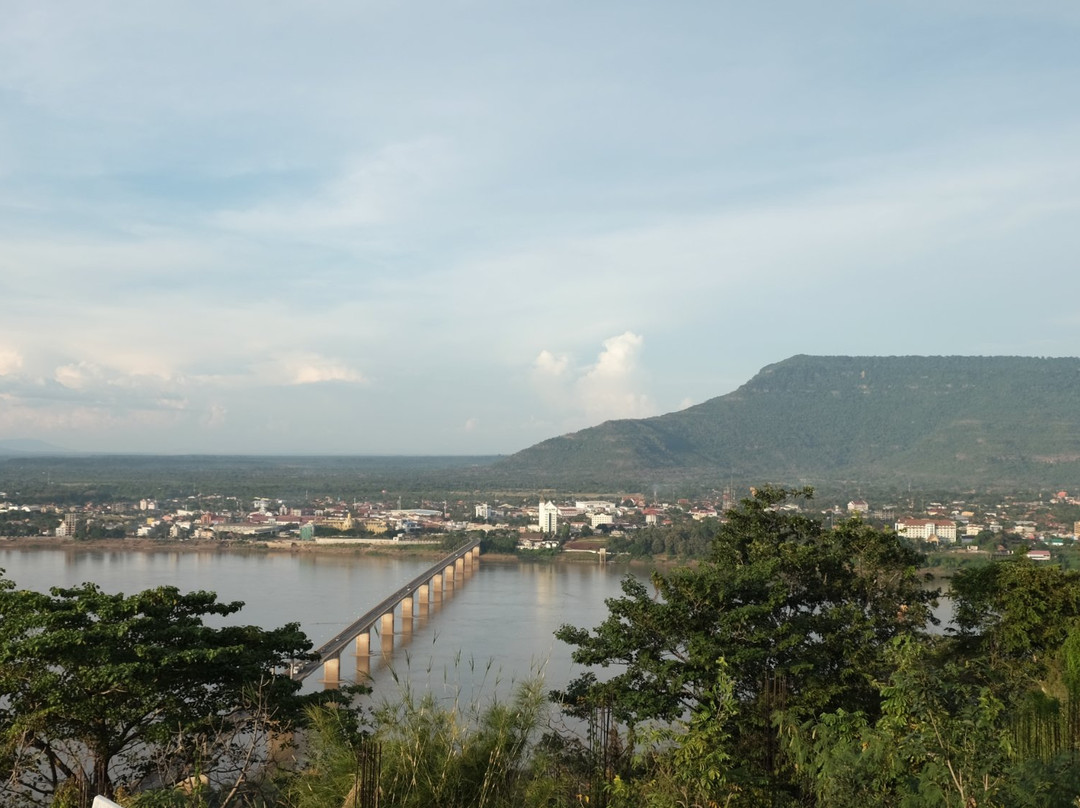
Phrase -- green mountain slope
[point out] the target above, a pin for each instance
(956, 421)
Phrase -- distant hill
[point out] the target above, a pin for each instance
(951, 421)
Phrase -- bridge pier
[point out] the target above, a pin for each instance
(332, 672)
(436, 585)
(387, 634)
(363, 655)
(475, 553)
(448, 578)
(459, 568)
(407, 608)
(423, 599)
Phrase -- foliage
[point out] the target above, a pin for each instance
(22, 523)
(989, 715)
(331, 770)
(688, 538)
(98, 691)
(940, 740)
(457, 756)
(687, 762)
(800, 614)
(1016, 613)
(960, 421)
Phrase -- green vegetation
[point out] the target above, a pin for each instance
(794, 666)
(957, 422)
(686, 538)
(787, 615)
(109, 478)
(100, 692)
(22, 523)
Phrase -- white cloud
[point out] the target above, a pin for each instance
(309, 368)
(548, 364)
(11, 361)
(471, 424)
(609, 388)
(78, 376)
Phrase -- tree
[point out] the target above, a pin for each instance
(942, 738)
(1016, 612)
(800, 615)
(94, 686)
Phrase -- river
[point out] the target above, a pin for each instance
(495, 629)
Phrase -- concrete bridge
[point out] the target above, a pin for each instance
(434, 582)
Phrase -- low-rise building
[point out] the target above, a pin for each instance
(598, 518)
(932, 530)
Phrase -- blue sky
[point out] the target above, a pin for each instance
(463, 227)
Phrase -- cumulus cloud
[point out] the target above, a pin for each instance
(607, 389)
(309, 368)
(548, 364)
(610, 387)
(79, 375)
(11, 361)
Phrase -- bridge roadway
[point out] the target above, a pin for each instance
(332, 648)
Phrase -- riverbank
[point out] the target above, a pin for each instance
(389, 549)
(417, 550)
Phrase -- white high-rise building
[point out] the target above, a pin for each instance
(549, 517)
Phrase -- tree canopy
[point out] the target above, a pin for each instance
(796, 614)
(99, 690)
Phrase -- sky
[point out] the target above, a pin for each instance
(465, 226)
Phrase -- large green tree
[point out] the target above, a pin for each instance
(96, 689)
(987, 714)
(799, 614)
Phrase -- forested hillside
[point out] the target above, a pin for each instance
(952, 421)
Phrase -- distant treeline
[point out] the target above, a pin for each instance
(207, 480)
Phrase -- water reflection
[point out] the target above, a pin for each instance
(497, 623)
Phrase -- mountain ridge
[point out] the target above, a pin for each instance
(971, 420)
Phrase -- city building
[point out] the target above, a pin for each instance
(597, 519)
(932, 530)
(858, 506)
(548, 517)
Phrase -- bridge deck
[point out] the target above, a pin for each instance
(335, 646)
